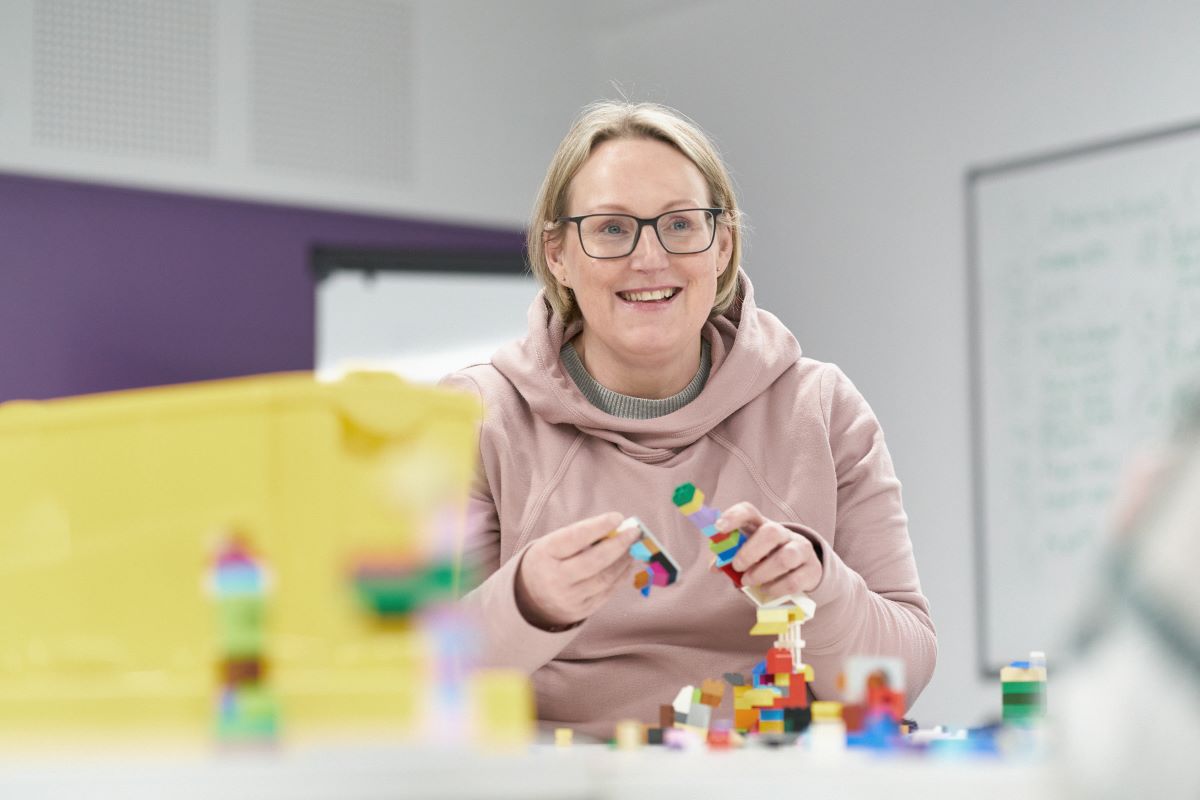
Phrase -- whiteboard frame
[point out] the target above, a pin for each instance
(974, 177)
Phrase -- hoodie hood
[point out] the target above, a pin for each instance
(750, 347)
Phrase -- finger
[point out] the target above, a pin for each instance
(790, 556)
(578, 536)
(803, 579)
(600, 556)
(600, 585)
(769, 537)
(740, 515)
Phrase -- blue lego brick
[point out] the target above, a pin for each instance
(639, 551)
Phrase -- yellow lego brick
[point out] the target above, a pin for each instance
(502, 701)
(782, 679)
(1011, 674)
(630, 734)
(809, 675)
(774, 726)
(693, 505)
(761, 697)
(563, 737)
(771, 621)
(826, 711)
(740, 700)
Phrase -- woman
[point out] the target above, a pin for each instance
(648, 365)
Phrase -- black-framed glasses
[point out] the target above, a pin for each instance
(683, 231)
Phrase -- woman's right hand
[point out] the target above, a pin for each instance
(567, 574)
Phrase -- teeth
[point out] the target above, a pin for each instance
(641, 297)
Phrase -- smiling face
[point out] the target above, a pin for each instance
(642, 313)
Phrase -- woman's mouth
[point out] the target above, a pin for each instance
(649, 295)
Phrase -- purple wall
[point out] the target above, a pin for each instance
(106, 288)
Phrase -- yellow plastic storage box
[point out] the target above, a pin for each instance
(110, 509)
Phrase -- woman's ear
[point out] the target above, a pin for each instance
(552, 246)
(724, 248)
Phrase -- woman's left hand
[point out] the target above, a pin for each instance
(777, 559)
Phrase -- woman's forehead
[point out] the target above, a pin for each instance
(631, 174)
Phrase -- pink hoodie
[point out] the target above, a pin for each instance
(786, 433)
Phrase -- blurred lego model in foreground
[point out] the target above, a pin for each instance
(1127, 711)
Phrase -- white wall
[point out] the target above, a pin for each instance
(849, 126)
(491, 88)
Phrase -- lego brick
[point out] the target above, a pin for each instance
(700, 716)
(782, 679)
(733, 574)
(630, 734)
(761, 697)
(859, 670)
(854, 715)
(797, 720)
(771, 622)
(654, 736)
(666, 716)
(712, 687)
(683, 699)
(779, 660)
(796, 698)
(744, 719)
(1022, 687)
(726, 544)
(659, 574)
(826, 710)
(1024, 699)
(771, 727)
(1011, 674)
(563, 737)
(688, 499)
(705, 517)
(770, 714)
(639, 551)
(233, 672)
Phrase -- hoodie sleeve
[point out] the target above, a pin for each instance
(869, 601)
(507, 639)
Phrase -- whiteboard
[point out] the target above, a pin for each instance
(419, 323)
(1085, 301)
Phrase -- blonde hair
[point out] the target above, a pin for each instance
(607, 120)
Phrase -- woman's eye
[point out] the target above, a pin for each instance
(610, 227)
(680, 225)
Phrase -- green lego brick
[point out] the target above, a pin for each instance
(240, 626)
(728, 543)
(684, 494)
(1023, 687)
(400, 595)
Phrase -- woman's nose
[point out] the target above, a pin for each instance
(649, 252)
